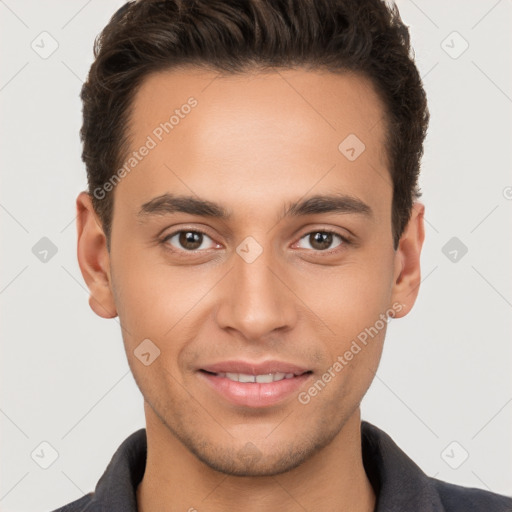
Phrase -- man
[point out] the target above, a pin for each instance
(251, 216)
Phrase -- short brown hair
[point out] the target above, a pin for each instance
(233, 36)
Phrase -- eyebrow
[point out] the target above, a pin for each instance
(170, 203)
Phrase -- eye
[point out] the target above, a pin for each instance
(189, 240)
(321, 240)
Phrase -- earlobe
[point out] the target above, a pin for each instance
(407, 261)
(93, 258)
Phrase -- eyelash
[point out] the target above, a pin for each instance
(344, 241)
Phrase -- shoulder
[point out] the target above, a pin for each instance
(457, 498)
(402, 485)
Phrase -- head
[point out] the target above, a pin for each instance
(253, 183)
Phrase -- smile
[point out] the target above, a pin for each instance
(254, 390)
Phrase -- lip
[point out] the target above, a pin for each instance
(254, 394)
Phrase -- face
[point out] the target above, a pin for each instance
(248, 245)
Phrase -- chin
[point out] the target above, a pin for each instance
(247, 460)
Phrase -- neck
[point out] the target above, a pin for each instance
(332, 480)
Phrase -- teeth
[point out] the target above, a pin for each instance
(246, 378)
(261, 379)
(264, 379)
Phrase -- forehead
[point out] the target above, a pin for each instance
(256, 134)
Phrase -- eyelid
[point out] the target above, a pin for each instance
(345, 240)
(164, 239)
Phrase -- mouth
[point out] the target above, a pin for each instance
(263, 378)
(254, 385)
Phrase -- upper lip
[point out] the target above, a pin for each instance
(253, 368)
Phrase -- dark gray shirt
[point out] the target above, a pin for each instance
(399, 484)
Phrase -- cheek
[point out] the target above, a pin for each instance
(157, 301)
(349, 297)
(146, 291)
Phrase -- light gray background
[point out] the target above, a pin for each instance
(445, 373)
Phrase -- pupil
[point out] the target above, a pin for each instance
(321, 240)
(190, 239)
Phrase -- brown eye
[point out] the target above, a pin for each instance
(321, 240)
(189, 240)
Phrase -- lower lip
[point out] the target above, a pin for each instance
(255, 394)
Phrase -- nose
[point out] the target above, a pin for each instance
(256, 299)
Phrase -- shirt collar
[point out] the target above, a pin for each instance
(117, 487)
(398, 482)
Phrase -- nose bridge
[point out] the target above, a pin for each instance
(257, 302)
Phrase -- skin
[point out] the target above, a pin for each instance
(253, 144)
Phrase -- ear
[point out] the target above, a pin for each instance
(407, 276)
(93, 258)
